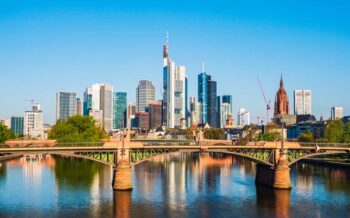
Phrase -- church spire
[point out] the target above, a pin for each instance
(281, 82)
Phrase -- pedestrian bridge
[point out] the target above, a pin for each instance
(270, 160)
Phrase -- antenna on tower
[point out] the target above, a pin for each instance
(167, 37)
(203, 67)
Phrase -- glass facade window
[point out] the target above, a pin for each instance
(119, 110)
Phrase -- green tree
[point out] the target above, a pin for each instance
(5, 133)
(268, 136)
(346, 133)
(214, 133)
(306, 137)
(77, 129)
(334, 131)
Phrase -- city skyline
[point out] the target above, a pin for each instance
(38, 57)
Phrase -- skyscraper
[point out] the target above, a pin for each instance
(174, 92)
(17, 125)
(98, 102)
(131, 115)
(66, 105)
(302, 102)
(33, 122)
(79, 107)
(145, 93)
(228, 99)
(207, 96)
(225, 112)
(337, 113)
(155, 114)
(281, 101)
(196, 112)
(119, 110)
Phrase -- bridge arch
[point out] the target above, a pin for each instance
(291, 163)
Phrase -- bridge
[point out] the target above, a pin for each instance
(273, 160)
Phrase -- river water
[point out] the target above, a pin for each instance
(173, 185)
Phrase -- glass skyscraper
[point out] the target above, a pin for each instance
(145, 93)
(203, 91)
(17, 125)
(119, 110)
(66, 105)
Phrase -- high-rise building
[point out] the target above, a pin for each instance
(337, 113)
(243, 117)
(98, 100)
(302, 102)
(119, 110)
(281, 101)
(79, 107)
(145, 93)
(225, 112)
(155, 114)
(131, 115)
(196, 112)
(66, 105)
(174, 92)
(207, 96)
(33, 122)
(17, 125)
(228, 99)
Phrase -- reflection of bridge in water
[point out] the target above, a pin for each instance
(273, 162)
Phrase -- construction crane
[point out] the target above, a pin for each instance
(32, 101)
(258, 118)
(268, 107)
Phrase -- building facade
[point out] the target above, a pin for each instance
(66, 105)
(145, 93)
(17, 125)
(337, 113)
(155, 114)
(174, 92)
(33, 122)
(106, 105)
(79, 107)
(302, 102)
(142, 121)
(243, 117)
(225, 112)
(87, 103)
(196, 112)
(119, 110)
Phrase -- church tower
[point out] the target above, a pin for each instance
(281, 101)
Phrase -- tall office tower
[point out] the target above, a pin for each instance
(33, 122)
(98, 101)
(228, 99)
(302, 102)
(155, 114)
(174, 92)
(87, 104)
(225, 112)
(243, 117)
(17, 125)
(119, 110)
(106, 105)
(196, 111)
(66, 105)
(213, 109)
(203, 91)
(281, 101)
(145, 93)
(79, 107)
(337, 113)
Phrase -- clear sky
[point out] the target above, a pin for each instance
(49, 46)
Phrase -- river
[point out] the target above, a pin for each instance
(173, 185)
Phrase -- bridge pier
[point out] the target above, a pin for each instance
(277, 177)
(122, 178)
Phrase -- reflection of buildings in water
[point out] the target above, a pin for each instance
(273, 200)
(122, 204)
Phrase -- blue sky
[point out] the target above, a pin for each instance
(50, 46)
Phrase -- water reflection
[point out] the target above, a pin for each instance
(122, 204)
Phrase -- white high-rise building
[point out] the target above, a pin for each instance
(145, 93)
(243, 117)
(101, 104)
(33, 122)
(302, 102)
(225, 111)
(174, 92)
(337, 113)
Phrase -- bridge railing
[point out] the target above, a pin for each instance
(77, 144)
(311, 144)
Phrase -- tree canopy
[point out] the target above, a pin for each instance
(214, 133)
(76, 129)
(5, 133)
(268, 136)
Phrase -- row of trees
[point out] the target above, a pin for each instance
(5, 133)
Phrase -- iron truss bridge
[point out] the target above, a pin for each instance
(111, 156)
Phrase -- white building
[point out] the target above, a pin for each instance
(243, 117)
(225, 111)
(195, 109)
(174, 92)
(33, 122)
(101, 104)
(302, 102)
(337, 113)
